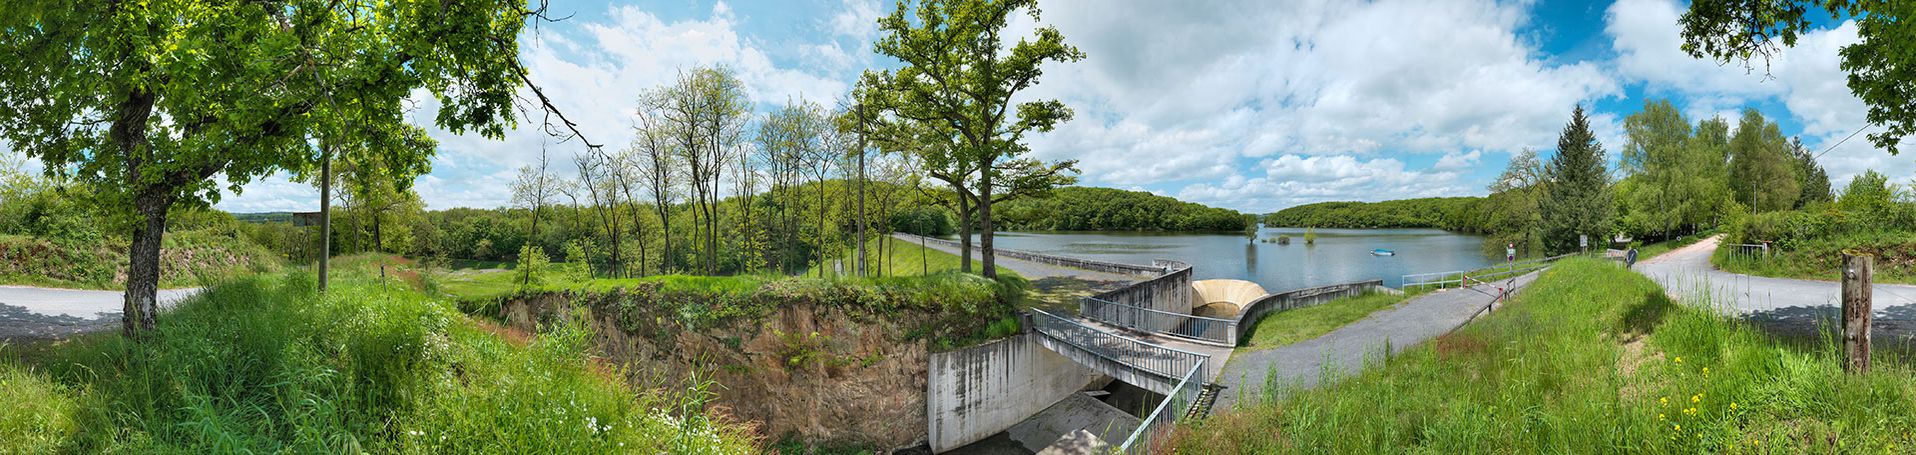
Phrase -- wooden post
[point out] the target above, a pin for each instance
(1856, 312)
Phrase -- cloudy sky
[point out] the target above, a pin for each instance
(1251, 105)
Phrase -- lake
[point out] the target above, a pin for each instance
(1339, 256)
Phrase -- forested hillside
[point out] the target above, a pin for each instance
(1453, 213)
(1077, 208)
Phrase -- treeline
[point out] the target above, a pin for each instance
(1450, 213)
(1076, 208)
(1675, 177)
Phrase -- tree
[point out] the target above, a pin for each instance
(1576, 196)
(656, 166)
(533, 191)
(1881, 64)
(1762, 172)
(1813, 180)
(1653, 156)
(151, 100)
(959, 74)
(1867, 193)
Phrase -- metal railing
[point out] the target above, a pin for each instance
(1164, 364)
(1747, 253)
(1212, 331)
(1159, 423)
(1456, 278)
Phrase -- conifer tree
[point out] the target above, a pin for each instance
(1576, 197)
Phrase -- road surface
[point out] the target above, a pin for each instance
(1344, 350)
(42, 313)
(1781, 305)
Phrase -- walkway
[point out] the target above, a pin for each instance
(1782, 305)
(38, 313)
(1344, 350)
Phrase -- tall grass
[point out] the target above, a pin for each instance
(1589, 358)
(266, 364)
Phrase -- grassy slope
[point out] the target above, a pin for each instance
(263, 364)
(187, 259)
(1820, 259)
(1590, 358)
(1301, 324)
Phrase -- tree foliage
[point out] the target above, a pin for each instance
(1076, 208)
(1881, 64)
(1576, 194)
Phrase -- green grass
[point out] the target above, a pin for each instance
(906, 258)
(1305, 323)
(1821, 258)
(265, 364)
(1589, 358)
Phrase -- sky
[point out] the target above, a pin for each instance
(1250, 105)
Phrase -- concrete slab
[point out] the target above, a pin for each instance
(1077, 413)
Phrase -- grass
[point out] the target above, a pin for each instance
(1821, 258)
(265, 364)
(906, 258)
(1589, 358)
(1305, 323)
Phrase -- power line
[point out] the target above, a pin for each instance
(1845, 139)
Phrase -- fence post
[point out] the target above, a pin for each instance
(1856, 311)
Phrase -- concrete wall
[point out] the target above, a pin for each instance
(1087, 264)
(1169, 293)
(1299, 298)
(982, 390)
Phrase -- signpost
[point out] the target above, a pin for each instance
(1583, 242)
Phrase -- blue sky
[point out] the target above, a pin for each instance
(1250, 105)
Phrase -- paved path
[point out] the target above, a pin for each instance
(39, 313)
(1782, 305)
(1344, 350)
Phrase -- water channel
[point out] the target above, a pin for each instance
(1338, 255)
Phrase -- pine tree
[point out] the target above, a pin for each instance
(1576, 198)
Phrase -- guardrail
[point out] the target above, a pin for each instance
(1162, 364)
(1212, 331)
(1456, 278)
(1145, 439)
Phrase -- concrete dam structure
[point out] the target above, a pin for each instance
(1165, 333)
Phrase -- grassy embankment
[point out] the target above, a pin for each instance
(187, 259)
(1591, 357)
(1291, 326)
(265, 364)
(1821, 258)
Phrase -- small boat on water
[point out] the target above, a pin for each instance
(1382, 252)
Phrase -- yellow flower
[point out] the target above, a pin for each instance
(1664, 400)
(1659, 417)
(1679, 360)
(1732, 406)
(1696, 398)
(1706, 371)
(1677, 427)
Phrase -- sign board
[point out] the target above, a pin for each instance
(1583, 241)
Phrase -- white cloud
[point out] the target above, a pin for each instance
(1295, 179)
(1454, 161)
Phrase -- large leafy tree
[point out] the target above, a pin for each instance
(1576, 197)
(154, 102)
(1881, 65)
(960, 75)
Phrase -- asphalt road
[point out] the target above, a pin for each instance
(1345, 350)
(1781, 305)
(42, 313)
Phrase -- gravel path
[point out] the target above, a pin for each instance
(1782, 305)
(1345, 350)
(42, 313)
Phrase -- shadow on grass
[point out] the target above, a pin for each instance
(1819, 328)
(1643, 318)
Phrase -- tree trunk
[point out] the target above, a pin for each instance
(143, 271)
(1857, 271)
(325, 218)
(964, 232)
(989, 261)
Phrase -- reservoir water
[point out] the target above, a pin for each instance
(1339, 255)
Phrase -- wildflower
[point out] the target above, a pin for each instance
(1677, 427)
(1664, 400)
(1659, 417)
(1679, 359)
(1732, 406)
(1696, 398)
(1706, 371)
